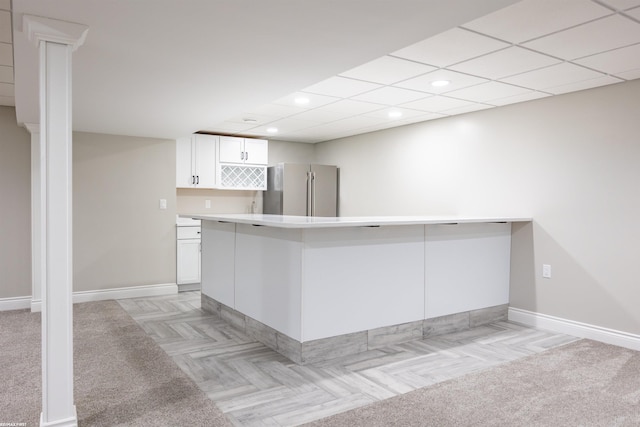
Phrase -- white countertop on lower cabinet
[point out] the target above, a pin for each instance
(290, 221)
(187, 221)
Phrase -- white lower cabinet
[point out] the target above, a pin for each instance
(188, 252)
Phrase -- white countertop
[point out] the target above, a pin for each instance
(187, 221)
(290, 221)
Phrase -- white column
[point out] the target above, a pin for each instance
(38, 243)
(56, 41)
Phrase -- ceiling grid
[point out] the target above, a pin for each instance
(530, 50)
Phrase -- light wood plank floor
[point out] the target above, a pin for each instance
(256, 386)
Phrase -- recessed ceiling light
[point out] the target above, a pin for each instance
(249, 120)
(272, 130)
(439, 83)
(301, 100)
(395, 114)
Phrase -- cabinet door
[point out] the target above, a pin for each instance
(184, 164)
(256, 151)
(231, 149)
(188, 266)
(205, 161)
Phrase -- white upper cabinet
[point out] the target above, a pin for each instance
(196, 161)
(243, 150)
(222, 162)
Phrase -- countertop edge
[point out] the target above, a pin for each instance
(287, 221)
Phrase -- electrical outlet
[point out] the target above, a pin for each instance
(163, 203)
(546, 271)
(207, 204)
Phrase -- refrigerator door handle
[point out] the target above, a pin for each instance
(309, 190)
(313, 194)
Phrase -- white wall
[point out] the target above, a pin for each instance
(120, 236)
(572, 162)
(15, 207)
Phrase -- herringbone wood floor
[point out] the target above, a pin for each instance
(256, 386)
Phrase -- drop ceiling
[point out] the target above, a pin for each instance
(529, 50)
(159, 69)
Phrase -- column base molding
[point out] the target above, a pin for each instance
(66, 422)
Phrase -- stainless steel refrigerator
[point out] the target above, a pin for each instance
(301, 189)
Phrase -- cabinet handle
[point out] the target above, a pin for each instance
(197, 179)
(242, 155)
(193, 179)
(246, 155)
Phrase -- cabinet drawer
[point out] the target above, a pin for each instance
(188, 232)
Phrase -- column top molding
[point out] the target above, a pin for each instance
(40, 29)
(32, 127)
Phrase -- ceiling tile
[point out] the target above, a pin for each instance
(230, 127)
(614, 61)
(634, 13)
(457, 81)
(467, 109)
(303, 136)
(630, 75)
(6, 74)
(553, 76)
(320, 115)
(507, 62)
(423, 117)
(530, 19)
(275, 110)
(519, 98)
(584, 84)
(6, 55)
(604, 34)
(450, 47)
(259, 119)
(486, 92)
(405, 114)
(622, 4)
(314, 100)
(388, 70)
(290, 125)
(350, 123)
(349, 107)
(341, 87)
(390, 96)
(436, 104)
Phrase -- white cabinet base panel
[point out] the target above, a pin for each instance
(321, 292)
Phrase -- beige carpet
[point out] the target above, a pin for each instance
(585, 383)
(122, 377)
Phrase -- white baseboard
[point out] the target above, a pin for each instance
(116, 293)
(577, 329)
(17, 303)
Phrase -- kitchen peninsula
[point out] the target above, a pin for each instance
(315, 288)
